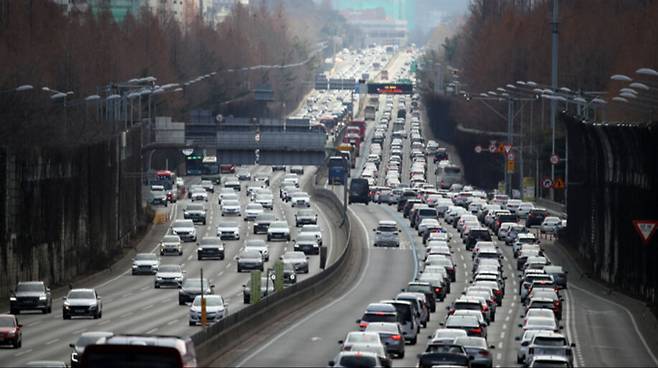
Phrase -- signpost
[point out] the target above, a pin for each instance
(492, 148)
(478, 149)
(559, 184)
(510, 166)
(645, 228)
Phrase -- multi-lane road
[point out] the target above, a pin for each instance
(131, 304)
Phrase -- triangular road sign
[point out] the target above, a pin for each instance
(645, 228)
(508, 147)
(559, 184)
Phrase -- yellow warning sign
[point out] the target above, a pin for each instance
(501, 148)
(510, 166)
(559, 183)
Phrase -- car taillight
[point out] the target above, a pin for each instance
(476, 331)
(484, 353)
(498, 292)
(437, 290)
(363, 324)
(485, 308)
(396, 337)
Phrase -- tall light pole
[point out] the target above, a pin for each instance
(554, 62)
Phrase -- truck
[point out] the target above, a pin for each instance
(338, 170)
(354, 139)
(361, 124)
(348, 148)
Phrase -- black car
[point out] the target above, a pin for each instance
(559, 275)
(359, 191)
(191, 288)
(278, 167)
(535, 217)
(210, 247)
(441, 154)
(262, 222)
(428, 360)
(406, 195)
(476, 235)
(266, 288)
(30, 295)
(425, 288)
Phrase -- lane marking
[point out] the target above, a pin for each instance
(23, 352)
(318, 311)
(172, 322)
(104, 322)
(153, 330)
(52, 341)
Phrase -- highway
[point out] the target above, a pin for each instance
(604, 332)
(132, 305)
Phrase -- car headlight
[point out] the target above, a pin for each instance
(42, 297)
(11, 333)
(134, 266)
(199, 249)
(159, 278)
(12, 298)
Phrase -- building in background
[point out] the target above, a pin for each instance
(377, 27)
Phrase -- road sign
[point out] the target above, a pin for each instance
(508, 147)
(547, 183)
(559, 184)
(257, 137)
(510, 156)
(510, 166)
(492, 148)
(555, 159)
(501, 148)
(645, 228)
(187, 151)
(478, 149)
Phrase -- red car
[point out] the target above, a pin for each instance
(227, 169)
(10, 331)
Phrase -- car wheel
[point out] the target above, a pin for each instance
(262, 268)
(17, 343)
(192, 323)
(157, 286)
(15, 311)
(268, 238)
(401, 355)
(180, 253)
(288, 237)
(246, 299)
(65, 316)
(181, 301)
(413, 341)
(519, 360)
(239, 269)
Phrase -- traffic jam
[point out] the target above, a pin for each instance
(481, 261)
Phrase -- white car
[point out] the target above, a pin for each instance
(216, 309)
(551, 225)
(171, 244)
(231, 207)
(278, 230)
(228, 230)
(311, 229)
(524, 209)
(513, 205)
(199, 195)
(184, 229)
(265, 200)
(300, 199)
(252, 210)
(145, 263)
(169, 274)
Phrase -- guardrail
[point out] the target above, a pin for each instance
(227, 334)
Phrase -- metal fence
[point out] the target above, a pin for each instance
(613, 174)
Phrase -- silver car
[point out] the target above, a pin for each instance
(216, 309)
(477, 350)
(184, 229)
(297, 259)
(171, 244)
(82, 302)
(169, 274)
(386, 234)
(228, 230)
(145, 263)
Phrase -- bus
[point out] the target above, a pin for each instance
(447, 175)
(209, 165)
(194, 164)
(370, 112)
(338, 170)
(165, 178)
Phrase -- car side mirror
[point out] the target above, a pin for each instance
(212, 286)
(573, 344)
(492, 346)
(517, 338)
(358, 321)
(520, 325)
(183, 271)
(236, 258)
(20, 325)
(561, 328)
(47, 290)
(441, 324)
(63, 298)
(180, 286)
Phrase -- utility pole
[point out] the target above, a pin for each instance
(554, 61)
(510, 120)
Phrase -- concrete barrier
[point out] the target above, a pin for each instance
(218, 339)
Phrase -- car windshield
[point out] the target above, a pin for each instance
(550, 341)
(171, 239)
(211, 301)
(230, 202)
(541, 322)
(31, 287)
(194, 207)
(183, 223)
(255, 243)
(306, 238)
(311, 228)
(194, 283)
(278, 225)
(264, 197)
(254, 206)
(7, 322)
(387, 228)
(210, 241)
(169, 268)
(379, 317)
(81, 294)
(145, 257)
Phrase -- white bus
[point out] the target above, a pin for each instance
(446, 175)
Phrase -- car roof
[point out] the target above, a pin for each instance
(387, 223)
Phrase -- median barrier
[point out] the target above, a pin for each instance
(218, 339)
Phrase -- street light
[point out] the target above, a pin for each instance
(621, 77)
(24, 87)
(647, 71)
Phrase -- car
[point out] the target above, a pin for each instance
(265, 200)
(378, 349)
(307, 243)
(210, 247)
(227, 169)
(232, 182)
(540, 323)
(250, 259)
(208, 186)
(192, 287)
(300, 200)
(477, 350)
(278, 167)
(559, 275)
(278, 230)
(262, 178)
(198, 195)
(426, 289)
(359, 337)
(313, 229)
(152, 350)
(30, 295)
(377, 312)
(82, 302)
(145, 263)
(470, 324)
(535, 217)
(259, 245)
(158, 195)
(216, 309)
(169, 275)
(390, 334)
(171, 244)
(244, 175)
(46, 364)
(195, 212)
(231, 207)
(550, 361)
(305, 216)
(298, 260)
(524, 209)
(11, 332)
(443, 355)
(184, 229)
(297, 169)
(387, 234)
(227, 194)
(85, 339)
(228, 230)
(252, 210)
(262, 222)
(551, 225)
(266, 288)
(359, 191)
(446, 336)
(356, 359)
